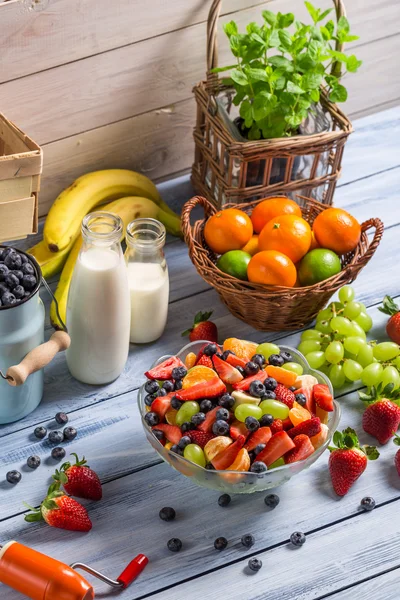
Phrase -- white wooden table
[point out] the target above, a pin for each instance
(347, 555)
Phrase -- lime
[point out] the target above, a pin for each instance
(234, 263)
(318, 265)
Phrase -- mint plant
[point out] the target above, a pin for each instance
(281, 66)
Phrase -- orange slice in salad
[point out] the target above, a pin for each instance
(241, 348)
(170, 416)
(190, 360)
(198, 374)
(298, 414)
(287, 378)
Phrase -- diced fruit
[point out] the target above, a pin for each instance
(215, 446)
(198, 374)
(287, 424)
(281, 375)
(321, 437)
(243, 398)
(311, 427)
(164, 370)
(323, 397)
(261, 436)
(241, 348)
(277, 409)
(276, 426)
(278, 445)
(161, 405)
(267, 349)
(284, 395)
(238, 428)
(303, 449)
(195, 454)
(306, 381)
(310, 402)
(241, 462)
(298, 414)
(190, 360)
(228, 455)
(278, 463)
(199, 437)
(323, 415)
(205, 361)
(247, 410)
(210, 389)
(227, 372)
(171, 432)
(186, 412)
(170, 416)
(236, 361)
(168, 445)
(244, 385)
(211, 417)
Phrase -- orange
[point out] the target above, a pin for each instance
(242, 348)
(314, 243)
(298, 414)
(190, 360)
(198, 374)
(272, 268)
(273, 207)
(337, 230)
(287, 378)
(228, 229)
(252, 245)
(288, 234)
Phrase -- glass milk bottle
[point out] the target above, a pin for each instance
(148, 279)
(98, 307)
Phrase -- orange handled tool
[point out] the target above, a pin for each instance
(40, 577)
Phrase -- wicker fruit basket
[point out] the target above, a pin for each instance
(274, 308)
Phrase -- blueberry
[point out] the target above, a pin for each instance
(3, 271)
(251, 368)
(220, 543)
(258, 467)
(220, 427)
(175, 403)
(270, 384)
(29, 282)
(175, 448)
(3, 289)
(269, 395)
(151, 419)
(33, 462)
(178, 384)
(167, 514)
(293, 388)
(241, 370)
(58, 453)
(56, 437)
(219, 354)
(226, 354)
(223, 414)
(168, 386)
(27, 269)
(198, 419)
(13, 261)
(24, 259)
(206, 405)
(13, 476)
(151, 386)
(8, 299)
(18, 274)
(149, 399)
(159, 435)
(298, 538)
(184, 441)
(19, 292)
(178, 373)
(160, 392)
(7, 251)
(211, 349)
(11, 280)
(187, 427)
(301, 399)
(61, 418)
(252, 456)
(224, 500)
(248, 540)
(254, 564)
(368, 503)
(209, 467)
(174, 545)
(287, 357)
(226, 401)
(272, 500)
(252, 423)
(259, 359)
(257, 389)
(266, 420)
(276, 360)
(70, 433)
(258, 448)
(40, 432)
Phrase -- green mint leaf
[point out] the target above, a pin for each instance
(262, 105)
(315, 95)
(338, 94)
(314, 12)
(285, 20)
(285, 39)
(326, 34)
(282, 63)
(231, 28)
(239, 77)
(330, 26)
(269, 17)
(338, 55)
(246, 112)
(352, 63)
(294, 120)
(312, 81)
(292, 88)
(343, 25)
(222, 69)
(253, 28)
(274, 39)
(349, 38)
(254, 133)
(256, 74)
(323, 15)
(316, 33)
(239, 96)
(314, 49)
(257, 38)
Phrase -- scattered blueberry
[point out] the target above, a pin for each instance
(167, 514)
(298, 538)
(151, 386)
(58, 453)
(28, 281)
(184, 441)
(258, 359)
(226, 354)
(40, 432)
(168, 386)
(287, 357)
(210, 349)
(33, 462)
(301, 399)
(254, 564)
(258, 467)
(258, 448)
(270, 384)
(159, 434)
(175, 448)
(175, 403)
(251, 368)
(27, 269)
(149, 399)
(272, 500)
(266, 420)
(151, 419)
(223, 414)
(226, 401)
(174, 545)
(206, 405)
(241, 370)
(70, 433)
(257, 389)
(224, 500)
(61, 418)
(178, 373)
(56, 437)
(276, 360)
(220, 543)
(368, 503)
(248, 540)
(19, 292)
(252, 423)
(198, 419)
(178, 384)
(220, 427)
(160, 392)
(8, 299)
(13, 476)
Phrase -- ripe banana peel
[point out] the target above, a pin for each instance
(63, 222)
(51, 263)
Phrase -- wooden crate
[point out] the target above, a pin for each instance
(20, 169)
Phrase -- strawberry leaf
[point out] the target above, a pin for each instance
(371, 452)
(389, 306)
(33, 517)
(396, 439)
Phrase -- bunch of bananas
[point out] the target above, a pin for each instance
(134, 195)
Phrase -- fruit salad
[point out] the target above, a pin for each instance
(239, 407)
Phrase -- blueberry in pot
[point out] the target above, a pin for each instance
(148, 399)
(29, 282)
(226, 354)
(18, 274)
(19, 292)
(4, 270)
(159, 435)
(27, 269)
(8, 299)
(11, 280)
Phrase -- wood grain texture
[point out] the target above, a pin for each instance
(382, 587)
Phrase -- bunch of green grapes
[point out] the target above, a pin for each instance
(339, 348)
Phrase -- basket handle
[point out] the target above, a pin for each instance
(209, 210)
(379, 227)
(212, 36)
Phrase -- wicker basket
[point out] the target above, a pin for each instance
(230, 171)
(274, 308)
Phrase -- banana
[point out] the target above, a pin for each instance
(50, 263)
(128, 208)
(63, 222)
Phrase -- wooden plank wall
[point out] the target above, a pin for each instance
(107, 83)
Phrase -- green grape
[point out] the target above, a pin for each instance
(278, 463)
(337, 376)
(390, 375)
(354, 344)
(346, 294)
(363, 307)
(323, 326)
(325, 314)
(315, 359)
(397, 362)
(356, 330)
(364, 320)
(348, 354)
(372, 374)
(195, 454)
(294, 367)
(309, 346)
(272, 407)
(386, 351)
(352, 369)
(267, 349)
(352, 310)
(334, 352)
(365, 355)
(341, 325)
(324, 369)
(311, 334)
(186, 412)
(248, 410)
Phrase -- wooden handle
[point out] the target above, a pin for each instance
(379, 227)
(209, 210)
(38, 358)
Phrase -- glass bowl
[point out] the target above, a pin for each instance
(236, 482)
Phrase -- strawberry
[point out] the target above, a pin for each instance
(164, 370)
(323, 397)
(393, 325)
(283, 394)
(310, 402)
(303, 449)
(382, 415)
(245, 383)
(397, 455)
(202, 329)
(79, 479)
(276, 426)
(278, 445)
(225, 458)
(205, 361)
(238, 428)
(236, 361)
(211, 417)
(171, 432)
(162, 404)
(287, 424)
(59, 510)
(348, 460)
(209, 389)
(200, 437)
(227, 372)
(310, 427)
(261, 436)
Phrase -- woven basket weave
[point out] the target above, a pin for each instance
(226, 170)
(274, 308)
